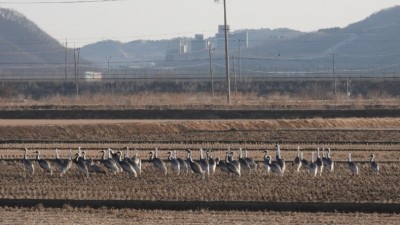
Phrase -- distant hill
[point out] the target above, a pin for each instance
(140, 50)
(26, 51)
(155, 50)
(376, 35)
(371, 42)
(23, 42)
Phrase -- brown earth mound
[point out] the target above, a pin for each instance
(318, 130)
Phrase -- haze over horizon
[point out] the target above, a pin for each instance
(126, 20)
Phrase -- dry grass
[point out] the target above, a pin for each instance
(210, 125)
(201, 100)
(40, 215)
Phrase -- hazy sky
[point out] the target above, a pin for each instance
(127, 20)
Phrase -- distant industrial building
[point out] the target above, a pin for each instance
(91, 76)
(183, 46)
(233, 38)
(196, 47)
(176, 47)
(198, 44)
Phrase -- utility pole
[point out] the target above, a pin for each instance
(77, 74)
(234, 76)
(65, 65)
(276, 64)
(240, 60)
(348, 82)
(74, 49)
(76, 64)
(211, 70)
(228, 80)
(333, 54)
(108, 66)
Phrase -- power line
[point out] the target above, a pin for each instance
(59, 2)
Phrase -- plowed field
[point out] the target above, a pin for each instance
(361, 137)
(40, 215)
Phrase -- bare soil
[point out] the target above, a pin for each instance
(296, 130)
(69, 215)
(360, 136)
(339, 186)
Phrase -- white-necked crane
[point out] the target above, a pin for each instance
(28, 165)
(279, 158)
(44, 164)
(109, 163)
(313, 167)
(158, 163)
(297, 160)
(274, 166)
(196, 167)
(353, 167)
(212, 164)
(373, 164)
(175, 165)
(244, 165)
(250, 161)
(319, 163)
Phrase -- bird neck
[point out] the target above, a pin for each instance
(151, 156)
(230, 158)
(104, 155)
(268, 160)
(227, 158)
(188, 155)
(190, 158)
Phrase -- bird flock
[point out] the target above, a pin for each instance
(119, 161)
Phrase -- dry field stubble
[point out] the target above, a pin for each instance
(300, 130)
(41, 215)
(339, 186)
